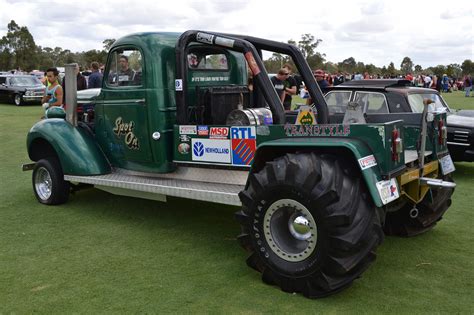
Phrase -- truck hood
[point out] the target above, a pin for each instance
(460, 121)
(87, 95)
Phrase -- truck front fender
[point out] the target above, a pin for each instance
(75, 147)
(354, 149)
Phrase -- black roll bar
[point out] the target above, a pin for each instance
(232, 43)
(302, 66)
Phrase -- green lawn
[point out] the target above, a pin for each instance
(104, 253)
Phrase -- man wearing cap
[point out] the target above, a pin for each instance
(323, 84)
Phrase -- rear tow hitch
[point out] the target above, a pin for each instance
(436, 183)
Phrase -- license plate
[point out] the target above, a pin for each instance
(447, 165)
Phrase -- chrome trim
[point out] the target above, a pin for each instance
(461, 144)
(127, 101)
(459, 131)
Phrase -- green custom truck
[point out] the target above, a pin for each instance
(194, 115)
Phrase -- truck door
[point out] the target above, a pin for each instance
(123, 120)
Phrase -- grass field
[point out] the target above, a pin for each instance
(110, 254)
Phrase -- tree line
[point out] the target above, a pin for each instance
(18, 50)
(316, 60)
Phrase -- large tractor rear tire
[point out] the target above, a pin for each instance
(309, 224)
(410, 222)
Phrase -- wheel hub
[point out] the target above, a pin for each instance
(290, 230)
(43, 183)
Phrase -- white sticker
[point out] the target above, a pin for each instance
(187, 130)
(447, 165)
(367, 162)
(211, 150)
(178, 84)
(204, 38)
(225, 42)
(388, 190)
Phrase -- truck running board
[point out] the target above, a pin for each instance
(158, 187)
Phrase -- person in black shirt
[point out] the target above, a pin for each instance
(278, 82)
(95, 79)
(290, 86)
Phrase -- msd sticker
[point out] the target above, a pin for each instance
(367, 162)
(388, 190)
(219, 132)
(211, 150)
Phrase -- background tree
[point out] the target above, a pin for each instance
(439, 70)
(347, 65)
(391, 71)
(406, 66)
(108, 43)
(19, 44)
(308, 44)
(454, 70)
(418, 69)
(467, 67)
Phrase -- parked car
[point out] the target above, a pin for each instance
(20, 89)
(381, 97)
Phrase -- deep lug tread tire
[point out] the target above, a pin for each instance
(58, 186)
(431, 210)
(349, 227)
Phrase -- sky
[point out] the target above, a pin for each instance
(379, 32)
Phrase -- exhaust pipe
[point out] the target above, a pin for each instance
(71, 93)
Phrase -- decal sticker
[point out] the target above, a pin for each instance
(178, 85)
(202, 130)
(184, 138)
(317, 130)
(367, 162)
(183, 148)
(388, 190)
(447, 165)
(243, 151)
(263, 131)
(187, 130)
(305, 116)
(224, 42)
(209, 79)
(211, 150)
(243, 145)
(242, 132)
(252, 63)
(204, 38)
(219, 133)
(126, 129)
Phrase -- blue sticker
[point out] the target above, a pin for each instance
(198, 149)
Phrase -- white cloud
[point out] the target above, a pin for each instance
(371, 31)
